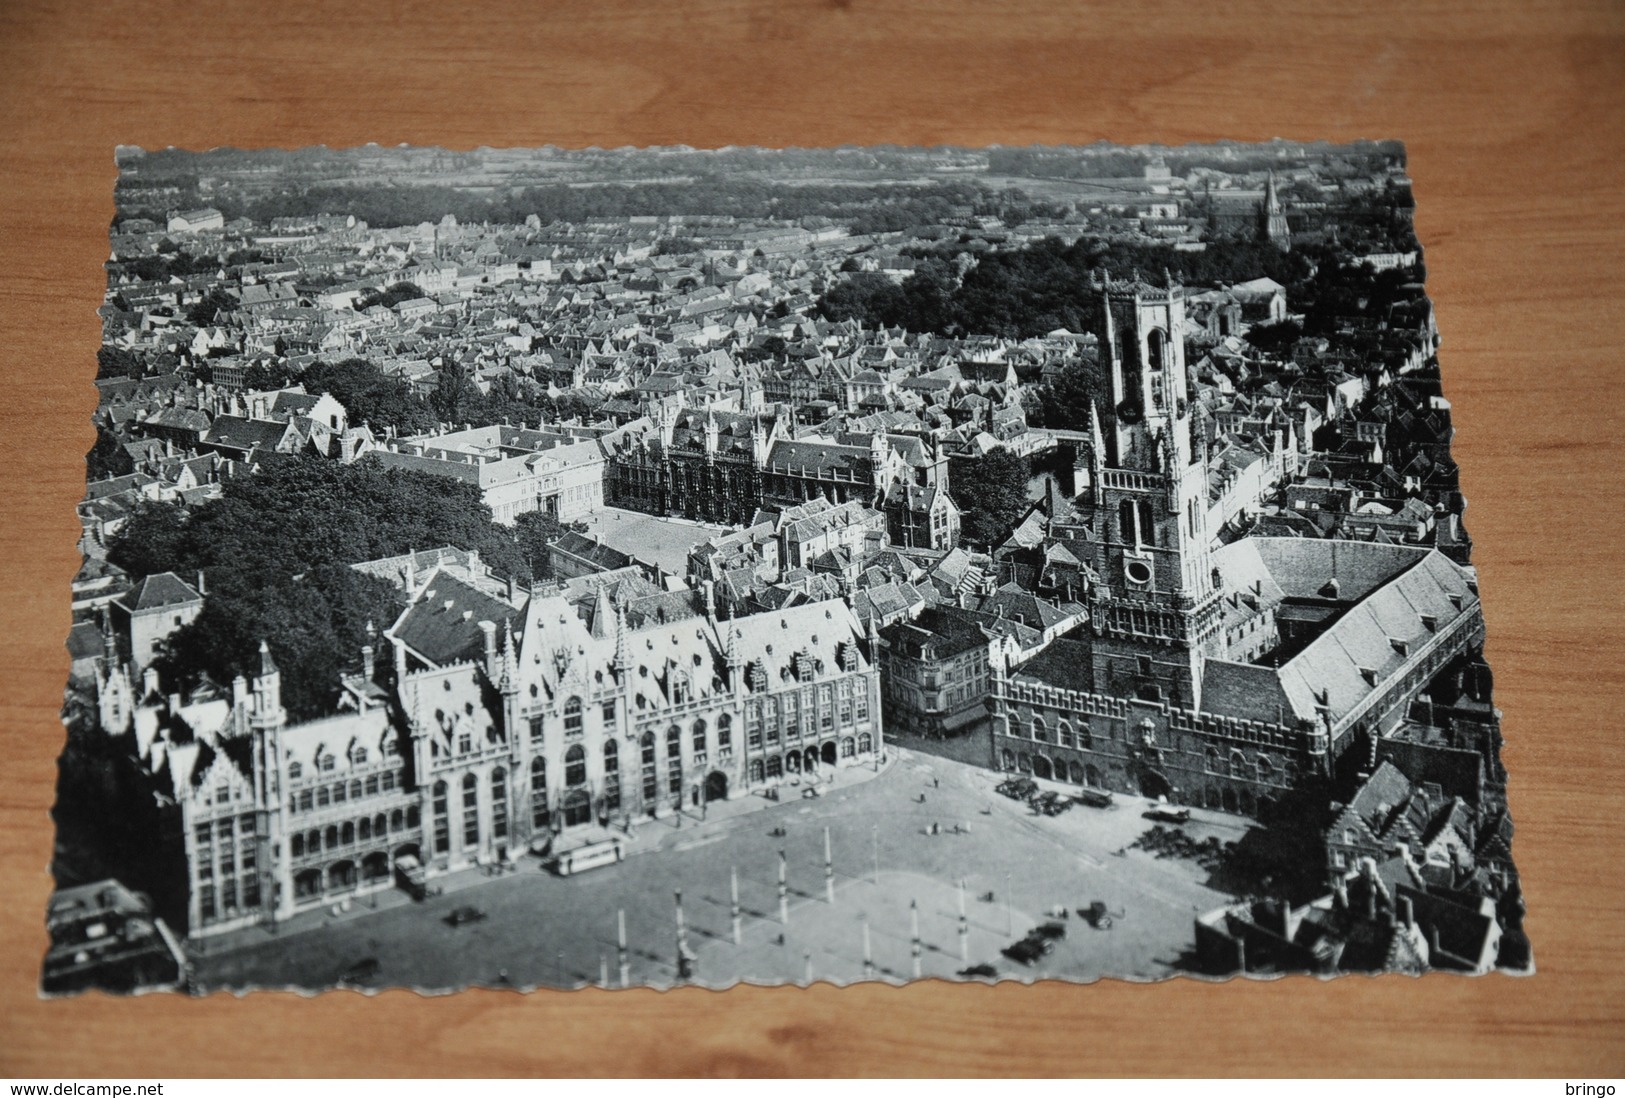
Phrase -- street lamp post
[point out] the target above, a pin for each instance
(733, 899)
(868, 952)
(914, 931)
(683, 954)
(829, 871)
(784, 894)
(620, 947)
(964, 926)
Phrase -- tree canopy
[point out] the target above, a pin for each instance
(275, 550)
(991, 491)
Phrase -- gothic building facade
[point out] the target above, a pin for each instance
(1219, 676)
(702, 465)
(499, 726)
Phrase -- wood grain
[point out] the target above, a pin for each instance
(1513, 115)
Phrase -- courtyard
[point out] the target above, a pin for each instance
(927, 834)
(661, 541)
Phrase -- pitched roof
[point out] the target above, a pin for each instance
(442, 623)
(159, 591)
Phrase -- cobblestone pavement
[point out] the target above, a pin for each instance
(542, 930)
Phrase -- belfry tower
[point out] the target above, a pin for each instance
(1276, 229)
(1154, 606)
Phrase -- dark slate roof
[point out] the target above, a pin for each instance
(159, 591)
(443, 623)
(1065, 663)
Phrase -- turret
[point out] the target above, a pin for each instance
(268, 712)
(877, 460)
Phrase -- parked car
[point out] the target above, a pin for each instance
(1050, 930)
(1018, 789)
(1024, 952)
(466, 914)
(360, 972)
(980, 972)
(1169, 814)
(1095, 798)
(1096, 915)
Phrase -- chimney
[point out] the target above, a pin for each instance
(202, 583)
(149, 681)
(367, 663)
(489, 629)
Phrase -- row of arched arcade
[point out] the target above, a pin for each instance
(376, 868)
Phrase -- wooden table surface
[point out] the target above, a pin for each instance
(1512, 112)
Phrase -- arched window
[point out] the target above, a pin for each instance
(364, 829)
(1266, 769)
(1085, 736)
(1063, 733)
(413, 817)
(1156, 348)
(575, 766)
(849, 747)
(499, 803)
(355, 790)
(330, 837)
(471, 810)
(775, 767)
(323, 797)
(865, 743)
(347, 833)
(699, 736)
(397, 820)
(572, 719)
(756, 772)
(538, 793)
(1148, 527)
(647, 744)
(725, 732)
(1040, 730)
(1238, 764)
(1211, 761)
(294, 771)
(674, 742)
(1125, 522)
(612, 776)
(298, 844)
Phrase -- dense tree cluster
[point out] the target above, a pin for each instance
(275, 550)
(108, 457)
(390, 296)
(1035, 290)
(866, 207)
(991, 491)
(116, 362)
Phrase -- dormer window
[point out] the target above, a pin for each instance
(1369, 675)
(295, 771)
(1399, 646)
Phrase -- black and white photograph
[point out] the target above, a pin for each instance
(553, 568)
